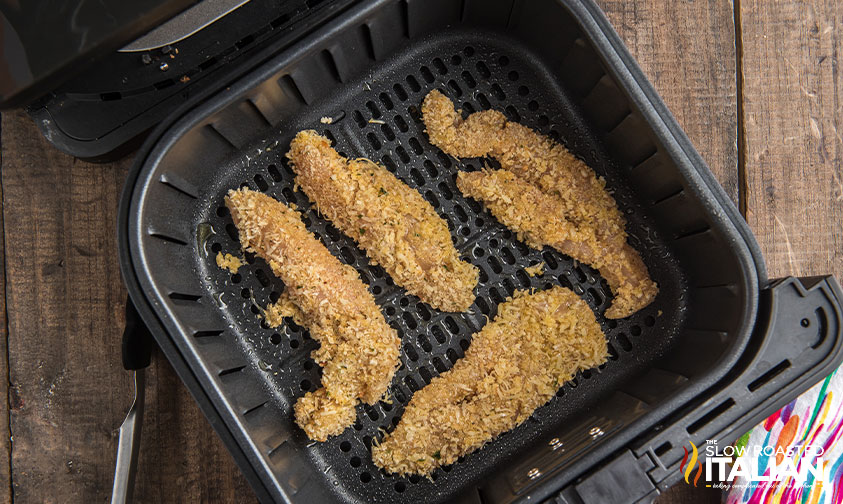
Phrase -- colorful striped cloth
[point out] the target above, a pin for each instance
(814, 419)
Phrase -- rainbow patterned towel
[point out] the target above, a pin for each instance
(802, 435)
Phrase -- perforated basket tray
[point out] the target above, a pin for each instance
(556, 67)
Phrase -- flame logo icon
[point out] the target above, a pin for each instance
(690, 467)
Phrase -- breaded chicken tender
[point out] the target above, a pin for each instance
(534, 216)
(359, 351)
(515, 364)
(391, 221)
(581, 197)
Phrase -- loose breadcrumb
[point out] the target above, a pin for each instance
(581, 198)
(515, 364)
(326, 120)
(229, 262)
(358, 351)
(534, 270)
(535, 217)
(391, 221)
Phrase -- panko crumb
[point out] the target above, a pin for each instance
(359, 351)
(535, 270)
(584, 210)
(536, 343)
(229, 262)
(390, 220)
(326, 120)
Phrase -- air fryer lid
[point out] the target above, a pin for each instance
(368, 72)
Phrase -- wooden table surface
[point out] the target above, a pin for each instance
(755, 84)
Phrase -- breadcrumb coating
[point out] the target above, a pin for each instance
(359, 351)
(391, 221)
(534, 216)
(229, 262)
(515, 364)
(581, 200)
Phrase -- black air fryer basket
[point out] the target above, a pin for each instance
(719, 349)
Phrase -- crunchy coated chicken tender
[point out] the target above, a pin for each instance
(515, 364)
(534, 216)
(581, 200)
(391, 221)
(359, 351)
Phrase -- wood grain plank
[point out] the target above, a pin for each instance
(792, 107)
(5, 441)
(687, 50)
(69, 392)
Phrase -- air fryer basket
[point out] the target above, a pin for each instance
(676, 368)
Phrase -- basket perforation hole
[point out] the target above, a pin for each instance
(294, 343)
(649, 321)
(289, 195)
(307, 365)
(402, 154)
(274, 173)
(333, 233)
(409, 320)
(586, 374)
(386, 101)
(430, 168)
(424, 343)
(484, 102)
(483, 70)
(431, 198)
(497, 92)
(598, 299)
(523, 91)
(635, 330)
(512, 114)
(411, 353)
(345, 446)
(373, 141)
(400, 92)
(373, 413)
(438, 334)
(451, 325)
(533, 106)
(482, 275)
(448, 194)
(423, 312)
(624, 342)
(468, 108)
(365, 477)
(495, 264)
(612, 324)
(440, 66)
(426, 74)
(523, 278)
(401, 124)
(543, 121)
(376, 289)
(355, 461)
(305, 385)
(455, 88)
(400, 486)
(373, 109)
(275, 338)
(411, 384)
(358, 118)
(555, 136)
(231, 231)
(262, 277)
(222, 211)
(510, 287)
(417, 177)
(507, 256)
(512, 75)
(358, 426)
(389, 163)
(216, 247)
(452, 356)
(461, 215)
(483, 306)
(245, 293)
(469, 79)
(416, 146)
(347, 255)
(287, 170)
(464, 344)
(496, 296)
(438, 365)
(465, 231)
(503, 61)
(425, 375)
(404, 302)
(494, 243)
(444, 159)
(387, 132)
(413, 83)
(236, 278)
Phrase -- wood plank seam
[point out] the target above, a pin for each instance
(8, 492)
(741, 133)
